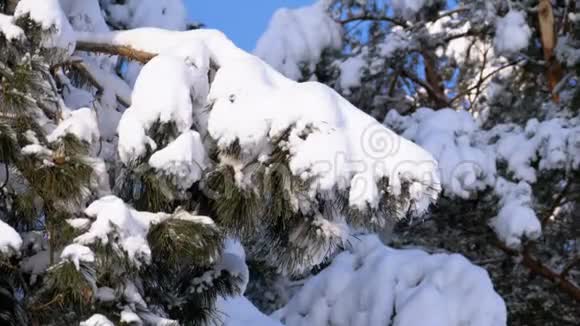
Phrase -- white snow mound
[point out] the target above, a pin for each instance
(375, 285)
(10, 240)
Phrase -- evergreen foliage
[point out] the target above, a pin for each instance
(410, 55)
(125, 239)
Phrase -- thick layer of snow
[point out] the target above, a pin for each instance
(184, 159)
(36, 149)
(512, 32)
(129, 317)
(10, 240)
(516, 219)
(113, 216)
(76, 254)
(81, 123)
(376, 285)
(343, 135)
(239, 311)
(251, 104)
(164, 92)
(298, 36)
(97, 320)
(333, 145)
(117, 224)
(9, 30)
(350, 72)
(51, 17)
(553, 142)
(464, 167)
(79, 223)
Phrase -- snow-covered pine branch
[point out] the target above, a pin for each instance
(132, 148)
(291, 164)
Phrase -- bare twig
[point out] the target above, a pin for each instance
(373, 18)
(491, 74)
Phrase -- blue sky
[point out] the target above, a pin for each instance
(243, 21)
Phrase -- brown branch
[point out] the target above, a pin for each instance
(120, 50)
(434, 78)
(539, 268)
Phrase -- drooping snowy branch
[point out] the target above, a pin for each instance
(271, 113)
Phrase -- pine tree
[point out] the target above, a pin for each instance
(125, 170)
(489, 88)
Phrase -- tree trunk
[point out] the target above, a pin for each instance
(434, 79)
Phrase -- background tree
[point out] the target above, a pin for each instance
(500, 79)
